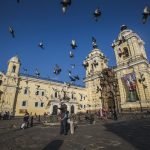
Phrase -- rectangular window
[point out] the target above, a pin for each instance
(24, 103)
(42, 93)
(0, 82)
(36, 104)
(42, 104)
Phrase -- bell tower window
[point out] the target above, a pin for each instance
(125, 52)
(25, 91)
(55, 94)
(14, 69)
(1, 82)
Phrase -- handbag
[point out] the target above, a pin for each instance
(22, 125)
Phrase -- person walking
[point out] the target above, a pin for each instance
(71, 124)
(31, 121)
(39, 118)
(25, 123)
(115, 115)
(0, 115)
(63, 122)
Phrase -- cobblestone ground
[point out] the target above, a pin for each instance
(110, 135)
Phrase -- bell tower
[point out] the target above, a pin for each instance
(13, 66)
(132, 66)
(11, 84)
(94, 63)
(128, 46)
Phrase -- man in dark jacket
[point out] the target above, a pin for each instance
(63, 122)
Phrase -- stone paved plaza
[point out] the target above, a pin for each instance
(110, 135)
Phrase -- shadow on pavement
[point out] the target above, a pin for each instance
(54, 145)
(135, 132)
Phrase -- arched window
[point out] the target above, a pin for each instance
(14, 69)
(92, 66)
(25, 91)
(72, 96)
(72, 109)
(1, 94)
(64, 107)
(55, 108)
(102, 65)
(1, 82)
(55, 94)
(125, 52)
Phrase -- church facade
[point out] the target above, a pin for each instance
(20, 92)
(132, 71)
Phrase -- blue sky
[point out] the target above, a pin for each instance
(43, 20)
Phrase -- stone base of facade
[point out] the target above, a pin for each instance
(135, 106)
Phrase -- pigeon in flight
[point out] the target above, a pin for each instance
(142, 78)
(73, 66)
(71, 54)
(146, 13)
(41, 45)
(67, 84)
(94, 42)
(97, 13)
(77, 77)
(85, 64)
(37, 73)
(57, 69)
(73, 44)
(65, 4)
(73, 78)
(12, 32)
(69, 73)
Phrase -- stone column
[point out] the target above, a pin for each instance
(51, 109)
(75, 108)
(58, 109)
(68, 107)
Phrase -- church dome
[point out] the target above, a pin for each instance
(14, 59)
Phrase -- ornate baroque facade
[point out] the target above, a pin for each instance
(133, 70)
(19, 92)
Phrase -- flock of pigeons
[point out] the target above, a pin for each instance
(97, 13)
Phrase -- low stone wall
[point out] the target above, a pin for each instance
(134, 115)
